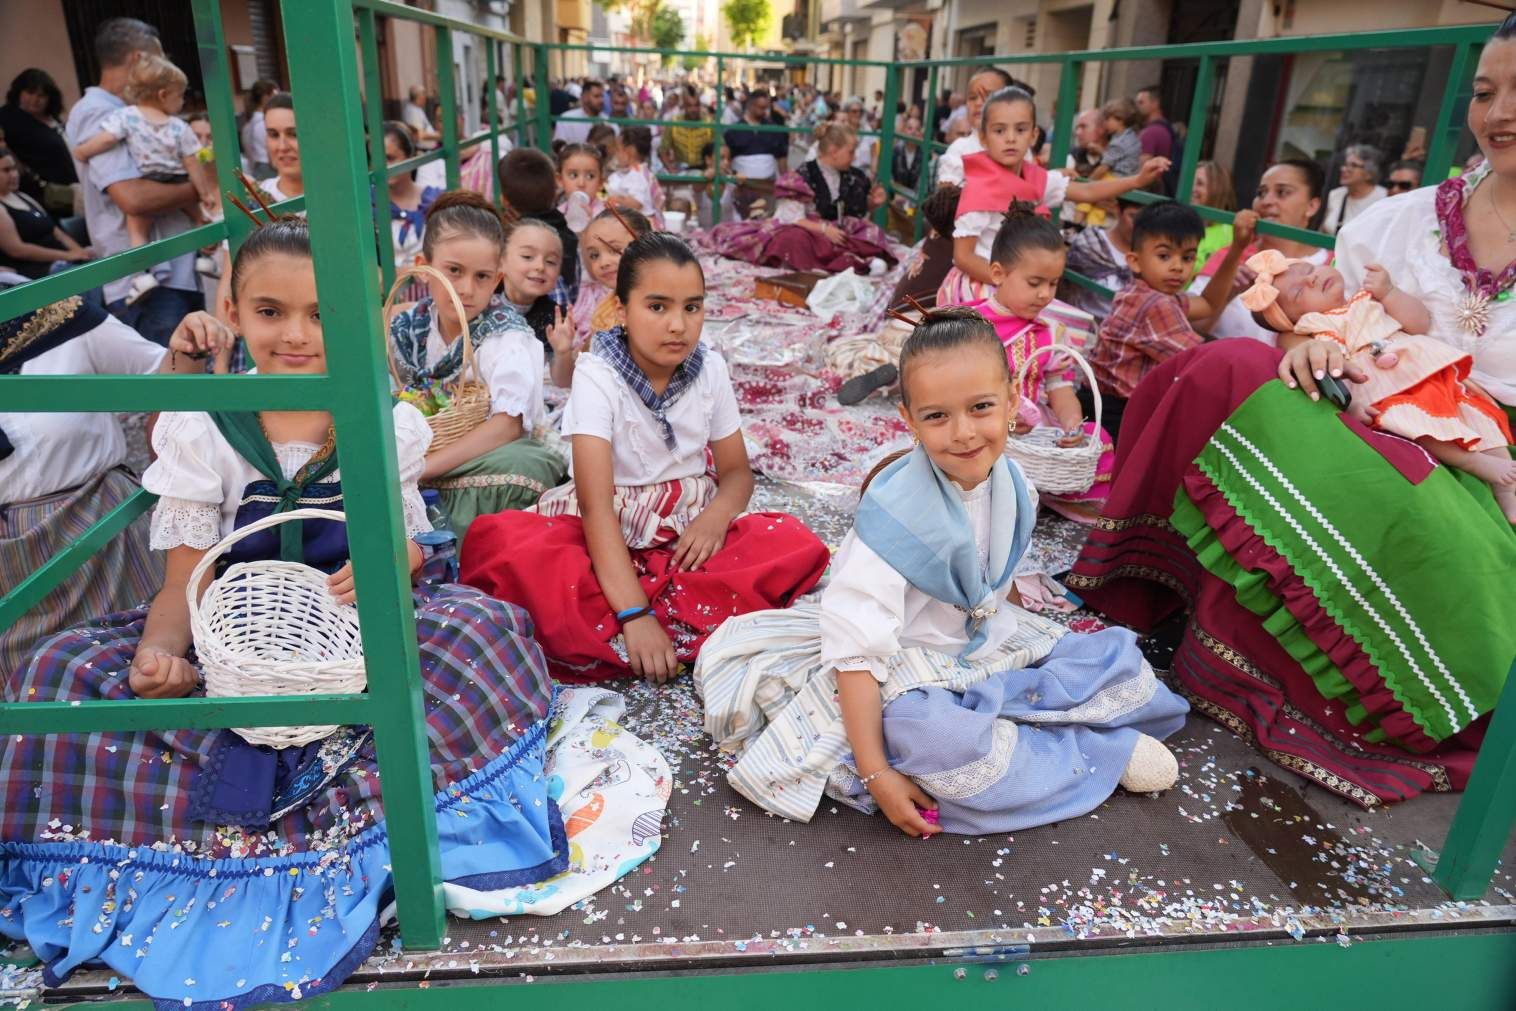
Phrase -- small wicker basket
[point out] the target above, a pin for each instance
(470, 397)
(273, 628)
(1053, 468)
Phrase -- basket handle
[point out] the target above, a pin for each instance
(192, 590)
(1079, 359)
(431, 274)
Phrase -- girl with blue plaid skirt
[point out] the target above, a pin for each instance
(212, 872)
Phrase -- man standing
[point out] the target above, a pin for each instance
(574, 125)
(1157, 135)
(113, 187)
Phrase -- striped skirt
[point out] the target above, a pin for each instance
(122, 574)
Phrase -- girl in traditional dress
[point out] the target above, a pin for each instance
(1003, 172)
(1026, 263)
(820, 220)
(634, 186)
(630, 567)
(600, 249)
(1415, 386)
(272, 866)
(917, 686)
(501, 464)
(529, 274)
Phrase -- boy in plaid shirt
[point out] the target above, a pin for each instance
(1151, 318)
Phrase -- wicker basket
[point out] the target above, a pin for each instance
(1050, 467)
(273, 628)
(470, 397)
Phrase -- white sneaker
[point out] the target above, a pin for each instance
(141, 285)
(206, 265)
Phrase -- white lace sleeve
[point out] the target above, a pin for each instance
(178, 522)
(412, 438)
(188, 478)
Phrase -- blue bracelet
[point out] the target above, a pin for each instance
(631, 614)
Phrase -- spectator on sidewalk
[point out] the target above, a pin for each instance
(32, 121)
(1359, 176)
(413, 114)
(1123, 153)
(1404, 176)
(574, 125)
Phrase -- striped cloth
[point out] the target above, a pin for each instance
(485, 683)
(651, 515)
(122, 574)
(768, 697)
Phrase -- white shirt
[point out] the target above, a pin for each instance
(510, 364)
(413, 116)
(58, 451)
(601, 404)
(1400, 234)
(255, 139)
(1342, 208)
(1236, 320)
(985, 224)
(635, 183)
(870, 612)
(200, 479)
(574, 126)
(950, 165)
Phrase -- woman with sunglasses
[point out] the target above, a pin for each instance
(1404, 177)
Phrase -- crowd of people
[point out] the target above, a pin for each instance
(1254, 392)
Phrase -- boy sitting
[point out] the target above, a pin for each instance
(1151, 318)
(529, 189)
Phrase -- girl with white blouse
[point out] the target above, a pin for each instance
(920, 687)
(502, 463)
(630, 567)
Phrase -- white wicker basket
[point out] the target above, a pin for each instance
(273, 628)
(1050, 467)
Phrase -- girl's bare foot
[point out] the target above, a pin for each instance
(1494, 466)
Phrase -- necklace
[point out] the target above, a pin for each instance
(1510, 233)
(328, 445)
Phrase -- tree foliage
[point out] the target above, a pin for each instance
(666, 29)
(700, 45)
(748, 20)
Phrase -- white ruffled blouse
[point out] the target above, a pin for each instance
(510, 365)
(869, 612)
(199, 479)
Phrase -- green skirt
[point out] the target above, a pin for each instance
(512, 476)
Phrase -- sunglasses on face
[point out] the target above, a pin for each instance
(1399, 185)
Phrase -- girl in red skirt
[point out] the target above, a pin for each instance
(631, 566)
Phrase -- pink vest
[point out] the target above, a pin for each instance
(990, 186)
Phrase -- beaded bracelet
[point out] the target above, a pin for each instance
(632, 614)
(866, 780)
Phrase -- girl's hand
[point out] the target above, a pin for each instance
(877, 197)
(701, 539)
(560, 335)
(1244, 229)
(1152, 170)
(649, 650)
(341, 585)
(1071, 438)
(158, 674)
(1376, 281)
(199, 335)
(1308, 361)
(899, 797)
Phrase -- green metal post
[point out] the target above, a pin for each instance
(928, 134)
(1449, 124)
(495, 112)
(1200, 107)
(523, 136)
(215, 74)
(540, 81)
(361, 410)
(1487, 811)
(449, 96)
(720, 152)
(373, 91)
(886, 151)
(1063, 120)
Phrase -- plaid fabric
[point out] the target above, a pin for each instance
(563, 292)
(1145, 328)
(485, 681)
(611, 345)
(123, 573)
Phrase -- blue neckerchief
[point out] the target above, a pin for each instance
(409, 331)
(913, 517)
(611, 346)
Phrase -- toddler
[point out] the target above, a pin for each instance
(529, 274)
(581, 173)
(633, 186)
(164, 146)
(1417, 387)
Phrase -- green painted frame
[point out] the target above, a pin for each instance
(339, 184)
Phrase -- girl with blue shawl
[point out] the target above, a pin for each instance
(918, 686)
(502, 463)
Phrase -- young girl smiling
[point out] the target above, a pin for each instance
(529, 273)
(918, 687)
(628, 569)
(498, 465)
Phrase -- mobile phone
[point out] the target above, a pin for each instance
(1335, 390)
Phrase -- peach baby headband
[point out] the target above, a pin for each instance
(1263, 297)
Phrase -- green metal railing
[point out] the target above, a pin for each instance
(345, 177)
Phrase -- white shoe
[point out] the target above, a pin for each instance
(141, 285)
(206, 265)
(1152, 767)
